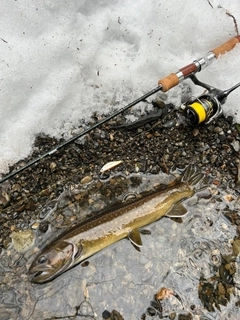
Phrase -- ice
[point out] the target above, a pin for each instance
(62, 60)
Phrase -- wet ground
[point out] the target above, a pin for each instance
(195, 260)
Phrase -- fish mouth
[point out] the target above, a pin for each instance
(47, 273)
(41, 277)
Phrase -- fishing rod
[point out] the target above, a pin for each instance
(196, 111)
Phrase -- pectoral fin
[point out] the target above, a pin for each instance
(135, 238)
(177, 211)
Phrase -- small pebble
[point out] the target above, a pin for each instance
(213, 158)
(228, 197)
(236, 247)
(195, 132)
(236, 145)
(86, 179)
(217, 130)
(16, 187)
(35, 225)
(106, 315)
(53, 165)
(169, 124)
(43, 226)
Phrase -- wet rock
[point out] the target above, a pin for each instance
(213, 158)
(6, 243)
(35, 225)
(155, 169)
(43, 226)
(236, 145)
(169, 124)
(53, 165)
(22, 240)
(236, 247)
(195, 132)
(3, 201)
(185, 316)
(86, 179)
(229, 119)
(110, 165)
(222, 138)
(221, 288)
(116, 315)
(16, 187)
(217, 130)
(5, 198)
(215, 258)
(106, 315)
(164, 293)
(172, 316)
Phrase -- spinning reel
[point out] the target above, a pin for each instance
(206, 107)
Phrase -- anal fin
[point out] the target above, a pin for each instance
(135, 238)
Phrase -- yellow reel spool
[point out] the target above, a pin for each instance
(200, 111)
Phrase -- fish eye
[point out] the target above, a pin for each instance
(42, 259)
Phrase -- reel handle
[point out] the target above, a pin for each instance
(174, 78)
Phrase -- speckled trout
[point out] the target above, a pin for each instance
(100, 231)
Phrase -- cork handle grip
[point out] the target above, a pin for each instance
(169, 82)
(172, 80)
(227, 46)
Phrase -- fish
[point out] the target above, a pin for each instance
(94, 234)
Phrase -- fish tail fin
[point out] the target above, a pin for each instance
(193, 177)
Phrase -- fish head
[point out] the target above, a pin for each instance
(53, 261)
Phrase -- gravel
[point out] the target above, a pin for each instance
(33, 199)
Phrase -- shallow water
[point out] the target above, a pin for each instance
(175, 255)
